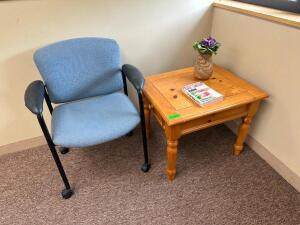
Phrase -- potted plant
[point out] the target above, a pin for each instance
(206, 48)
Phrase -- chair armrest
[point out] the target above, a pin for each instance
(34, 97)
(134, 76)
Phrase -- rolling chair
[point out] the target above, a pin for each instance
(85, 78)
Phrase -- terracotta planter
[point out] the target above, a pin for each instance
(203, 66)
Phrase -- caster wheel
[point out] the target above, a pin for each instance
(145, 167)
(63, 150)
(129, 134)
(67, 193)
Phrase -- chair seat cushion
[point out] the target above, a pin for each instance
(93, 121)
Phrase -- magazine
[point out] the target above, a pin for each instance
(202, 94)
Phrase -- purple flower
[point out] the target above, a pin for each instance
(207, 46)
(208, 42)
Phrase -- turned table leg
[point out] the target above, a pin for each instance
(147, 111)
(244, 128)
(171, 157)
(172, 134)
(242, 134)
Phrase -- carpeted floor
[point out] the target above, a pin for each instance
(212, 186)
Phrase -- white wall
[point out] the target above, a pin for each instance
(268, 55)
(154, 35)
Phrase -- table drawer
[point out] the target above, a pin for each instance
(213, 119)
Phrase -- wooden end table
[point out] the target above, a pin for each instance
(178, 115)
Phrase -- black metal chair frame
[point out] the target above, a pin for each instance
(36, 93)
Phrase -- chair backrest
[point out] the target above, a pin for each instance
(80, 68)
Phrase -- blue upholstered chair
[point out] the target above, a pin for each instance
(84, 78)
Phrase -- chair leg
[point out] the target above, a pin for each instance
(64, 150)
(67, 192)
(146, 166)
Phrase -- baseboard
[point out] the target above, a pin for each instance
(291, 177)
(22, 145)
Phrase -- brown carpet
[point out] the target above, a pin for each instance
(212, 186)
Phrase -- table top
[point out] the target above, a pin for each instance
(164, 91)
